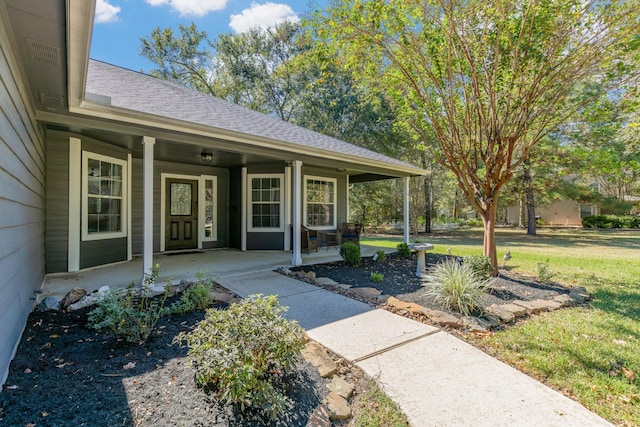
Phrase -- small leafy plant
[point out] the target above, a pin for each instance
(132, 316)
(195, 297)
(376, 277)
(350, 252)
(403, 250)
(244, 351)
(381, 255)
(544, 273)
(480, 264)
(456, 286)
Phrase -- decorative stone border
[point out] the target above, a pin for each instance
(494, 315)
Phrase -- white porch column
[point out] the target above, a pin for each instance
(348, 206)
(287, 208)
(147, 196)
(406, 208)
(296, 260)
(243, 210)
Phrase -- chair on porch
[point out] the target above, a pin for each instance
(309, 239)
(350, 232)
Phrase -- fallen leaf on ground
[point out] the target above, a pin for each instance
(11, 387)
(54, 336)
(129, 365)
(27, 371)
(629, 374)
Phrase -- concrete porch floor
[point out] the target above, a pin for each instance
(214, 264)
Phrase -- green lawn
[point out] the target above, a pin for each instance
(591, 354)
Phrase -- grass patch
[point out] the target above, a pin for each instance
(375, 408)
(591, 354)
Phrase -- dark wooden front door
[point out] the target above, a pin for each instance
(182, 214)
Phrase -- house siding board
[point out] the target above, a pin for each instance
(57, 204)
(22, 203)
(100, 252)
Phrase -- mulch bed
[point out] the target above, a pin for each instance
(65, 374)
(401, 282)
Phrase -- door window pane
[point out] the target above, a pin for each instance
(180, 199)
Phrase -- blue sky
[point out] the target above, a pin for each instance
(119, 24)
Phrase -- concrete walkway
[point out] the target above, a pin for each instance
(437, 379)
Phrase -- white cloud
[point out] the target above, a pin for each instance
(106, 12)
(191, 7)
(262, 15)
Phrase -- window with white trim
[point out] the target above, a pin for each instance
(209, 202)
(265, 202)
(320, 202)
(104, 185)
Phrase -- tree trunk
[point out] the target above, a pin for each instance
(522, 212)
(428, 203)
(531, 208)
(489, 244)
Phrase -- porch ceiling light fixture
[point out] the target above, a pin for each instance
(206, 157)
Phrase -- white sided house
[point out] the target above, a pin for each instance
(99, 164)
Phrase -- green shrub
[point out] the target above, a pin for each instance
(133, 315)
(381, 255)
(195, 297)
(244, 351)
(473, 222)
(479, 264)
(350, 252)
(376, 277)
(456, 286)
(611, 221)
(403, 250)
(544, 274)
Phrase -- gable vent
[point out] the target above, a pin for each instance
(43, 53)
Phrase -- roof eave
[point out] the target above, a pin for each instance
(150, 121)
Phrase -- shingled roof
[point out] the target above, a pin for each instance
(139, 92)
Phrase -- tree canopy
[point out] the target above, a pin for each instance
(490, 78)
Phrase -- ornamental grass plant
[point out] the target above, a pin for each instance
(456, 286)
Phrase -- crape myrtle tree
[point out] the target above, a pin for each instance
(490, 78)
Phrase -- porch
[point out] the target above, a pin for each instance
(214, 264)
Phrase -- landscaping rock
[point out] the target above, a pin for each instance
(382, 299)
(317, 355)
(565, 300)
(310, 275)
(49, 303)
(582, 291)
(489, 321)
(516, 310)
(407, 306)
(73, 296)
(532, 307)
(442, 318)
(551, 305)
(474, 324)
(338, 407)
(343, 286)
(341, 387)
(325, 281)
(221, 296)
(500, 312)
(86, 301)
(367, 293)
(319, 417)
